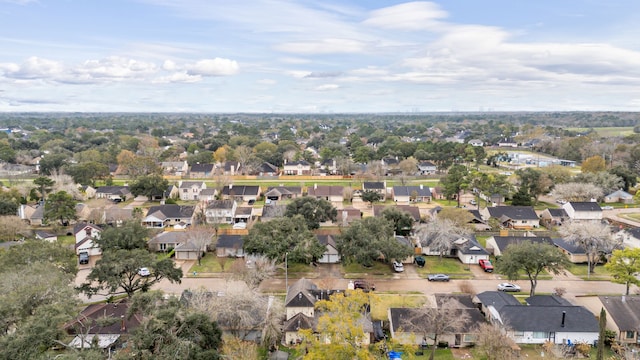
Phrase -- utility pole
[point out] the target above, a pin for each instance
(286, 273)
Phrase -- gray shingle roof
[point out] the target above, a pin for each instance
(624, 311)
(513, 212)
(408, 190)
(549, 318)
(497, 299)
(230, 241)
(585, 206)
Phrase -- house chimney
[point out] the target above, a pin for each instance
(230, 186)
(421, 186)
(564, 315)
(315, 186)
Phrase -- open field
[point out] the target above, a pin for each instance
(607, 131)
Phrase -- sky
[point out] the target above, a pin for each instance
(309, 56)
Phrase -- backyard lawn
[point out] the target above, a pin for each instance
(380, 303)
(580, 270)
(450, 266)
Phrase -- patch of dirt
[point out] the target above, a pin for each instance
(461, 353)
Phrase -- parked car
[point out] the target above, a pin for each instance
(473, 202)
(364, 285)
(251, 202)
(420, 261)
(397, 266)
(83, 258)
(485, 265)
(144, 271)
(508, 287)
(438, 277)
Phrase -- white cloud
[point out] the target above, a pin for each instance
(179, 77)
(169, 65)
(214, 67)
(299, 74)
(324, 46)
(267, 82)
(116, 68)
(417, 15)
(327, 87)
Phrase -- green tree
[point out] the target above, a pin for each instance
(402, 221)
(32, 252)
(60, 206)
(628, 176)
(624, 266)
(117, 272)
(87, 173)
(131, 235)
(313, 210)
(535, 182)
(371, 239)
(171, 330)
(531, 258)
(44, 185)
(521, 197)
(371, 196)
(149, 186)
(341, 328)
(52, 163)
(602, 324)
(454, 181)
(282, 236)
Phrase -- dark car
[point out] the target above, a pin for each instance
(364, 285)
(251, 202)
(419, 260)
(83, 258)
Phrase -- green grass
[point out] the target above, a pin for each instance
(449, 266)
(67, 240)
(354, 270)
(608, 131)
(210, 263)
(380, 303)
(580, 270)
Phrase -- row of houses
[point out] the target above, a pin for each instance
(295, 168)
(540, 319)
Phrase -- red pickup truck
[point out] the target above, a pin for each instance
(485, 265)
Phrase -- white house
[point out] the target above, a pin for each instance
(587, 211)
(85, 234)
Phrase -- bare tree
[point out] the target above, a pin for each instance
(12, 228)
(594, 238)
(450, 318)
(493, 344)
(241, 312)
(64, 182)
(256, 269)
(243, 155)
(439, 234)
(574, 191)
(200, 236)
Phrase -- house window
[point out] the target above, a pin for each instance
(185, 190)
(518, 333)
(468, 338)
(163, 247)
(88, 232)
(630, 334)
(540, 335)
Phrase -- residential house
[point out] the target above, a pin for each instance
(189, 251)
(175, 168)
(230, 168)
(411, 325)
(574, 252)
(240, 192)
(277, 193)
(85, 234)
(207, 195)
(117, 193)
(167, 240)
(623, 317)
(542, 320)
(378, 186)
(515, 217)
(168, 215)
(327, 192)
(88, 191)
(408, 194)
(478, 222)
(104, 325)
(331, 255)
(498, 244)
(630, 237)
(619, 196)
(230, 246)
(391, 165)
(172, 192)
(272, 211)
(200, 171)
(266, 169)
(300, 167)
(469, 250)
(348, 215)
(243, 215)
(553, 217)
(32, 214)
(586, 211)
(476, 142)
(328, 167)
(46, 236)
(427, 168)
(413, 211)
(507, 142)
(190, 190)
(220, 211)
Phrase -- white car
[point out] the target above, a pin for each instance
(508, 287)
(397, 266)
(144, 272)
(608, 207)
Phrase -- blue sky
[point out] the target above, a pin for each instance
(307, 56)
